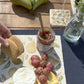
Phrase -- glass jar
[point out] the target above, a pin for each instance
(44, 42)
(75, 27)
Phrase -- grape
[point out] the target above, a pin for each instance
(43, 64)
(43, 79)
(35, 62)
(39, 70)
(35, 57)
(46, 70)
(44, 56)
(50, 65)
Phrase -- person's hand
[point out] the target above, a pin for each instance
(4, 33)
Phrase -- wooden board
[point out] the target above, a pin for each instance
(17, 17)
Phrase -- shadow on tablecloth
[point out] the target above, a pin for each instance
(78, 49)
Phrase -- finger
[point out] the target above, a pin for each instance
(4, 42)
(5, 30)
(7, 34)
(2, 27)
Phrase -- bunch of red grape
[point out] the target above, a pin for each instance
(43, 68)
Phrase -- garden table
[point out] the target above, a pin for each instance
(17, 17)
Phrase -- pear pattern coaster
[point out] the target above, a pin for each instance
(59, 17)
(7, 68)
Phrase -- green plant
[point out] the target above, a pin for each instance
(80, 4)
(76, 2)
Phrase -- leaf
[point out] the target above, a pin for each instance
(80, 5)
(60, 78)
(48, 52)
(33, 1)
(2, 61)
(3, 78)
(60, 83)
(31, 47)
(2, 56)
(23, 43)
(29, 38)
(21, 57)
(11, 83)
(52, 59)
(79, 24)
(55, 45)
(12, 71)
(76, 2)
(56, 55)
(58, 66)
(37, 3)
(26, 57)
(7, 65)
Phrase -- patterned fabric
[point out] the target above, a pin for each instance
(7, 68)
